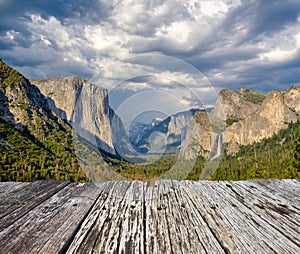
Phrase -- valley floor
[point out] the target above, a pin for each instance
(256, 216)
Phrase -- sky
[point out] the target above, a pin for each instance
(182, 52)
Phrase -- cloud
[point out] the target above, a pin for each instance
(89, 11)
(229, 43)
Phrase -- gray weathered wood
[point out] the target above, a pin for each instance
(173, 223)
(235, 222)
(287, 189)
(48, 226)
(258, 216)
(115, 223)
(7, 187)
(276, 210)
(21, 200)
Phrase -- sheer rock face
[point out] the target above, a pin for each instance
(61, 94)
(235, 104)
(5, 113)
(199, 137)
(292, 99)
(276, 111)
(84, 105)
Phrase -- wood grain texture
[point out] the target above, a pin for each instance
(174, 224)
(115, 224)
(21, 200)
(7, 187)
(238, 226)
(49, 225)
(261, 216)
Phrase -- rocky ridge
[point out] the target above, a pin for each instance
(23, 106)
(242, 117)
(188, 132)
(275, 112)
(233, 104)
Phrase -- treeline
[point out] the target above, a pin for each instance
(143, 170)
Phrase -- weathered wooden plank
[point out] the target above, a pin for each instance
(238, 227)
(132, 235)
(20, 201)
(50, 225)
(160, 220)
(7, 187)
(279, 212)
(115, 222)
(133, 217)
(173, 224)
(287, 189)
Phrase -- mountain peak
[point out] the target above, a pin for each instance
(244, 90)
(156, 121)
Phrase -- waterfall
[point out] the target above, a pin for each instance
(217, 149)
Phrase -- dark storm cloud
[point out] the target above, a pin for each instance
(77, 37)
(260, 17)
(25, 51)
(237, 40)
(90, 10)
(15, 14)
(257, 18)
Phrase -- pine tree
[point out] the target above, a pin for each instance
(294, 168)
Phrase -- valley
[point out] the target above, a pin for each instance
(64, 128)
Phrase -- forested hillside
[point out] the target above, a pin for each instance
(275, 157)
(23, 158)
(34, 142)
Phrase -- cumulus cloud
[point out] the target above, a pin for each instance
(215, 43)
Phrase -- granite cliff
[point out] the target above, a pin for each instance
(236, 105)
(86, 108)
(275, 112)
(23, 106)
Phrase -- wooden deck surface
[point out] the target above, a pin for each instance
(132, 217)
